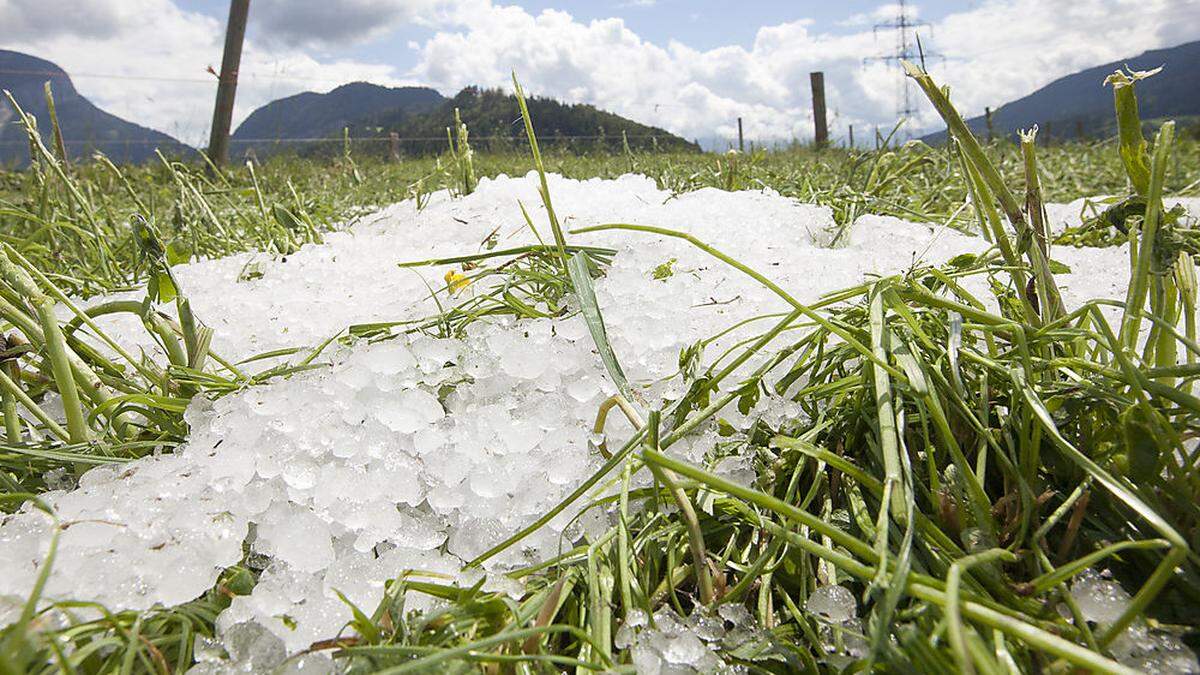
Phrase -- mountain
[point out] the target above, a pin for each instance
(1082, 103)
(494, 121)
(313, 115)
(85, 127)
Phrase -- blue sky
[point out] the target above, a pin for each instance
(692, 67)
(703, 24)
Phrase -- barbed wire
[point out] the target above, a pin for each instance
(214, 79)
(353, 139)
(157, 78)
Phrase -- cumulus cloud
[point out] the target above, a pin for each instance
(881, 14)
(52, 18)
(150, 67)
(998, 51)
(321, 23)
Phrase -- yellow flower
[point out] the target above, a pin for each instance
(456, 281)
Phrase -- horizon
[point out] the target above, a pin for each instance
(706, 66)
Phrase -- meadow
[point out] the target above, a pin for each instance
(1004, 482)
(77, 223)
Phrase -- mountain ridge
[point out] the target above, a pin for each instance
(309, 115)
(86, 127)
(1080, 104)
(491, 115)
(493, 119)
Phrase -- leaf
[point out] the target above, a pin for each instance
(909, 364)
(725, 429)
(695, 398)
(1119, 490)
(748, 395)
(1117, 215)
(664, 271)
(161, 288)
(361, 622)
(1145, 432)
(147, 239)
(286, 218)
(581, 278)
(240, 581)
(689, 359)
(963, 260)
(178, 252)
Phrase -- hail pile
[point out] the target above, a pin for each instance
(418, 453)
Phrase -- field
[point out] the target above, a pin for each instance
(905, 409)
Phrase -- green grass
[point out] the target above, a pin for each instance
(955, 467)
(75, 225)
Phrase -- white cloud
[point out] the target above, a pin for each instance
(321, 23)
(50, 18)
(881, 14)
(997, 51)
(150, 39)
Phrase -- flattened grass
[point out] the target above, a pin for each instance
(954, 466)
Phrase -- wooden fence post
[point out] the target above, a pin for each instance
(235, 33)
(818, 96)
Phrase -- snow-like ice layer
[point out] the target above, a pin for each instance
(251, 648)
(304, 298)
(1101, 601)
(841, 631)
(418, 453)
(832, 603)
(676, 646)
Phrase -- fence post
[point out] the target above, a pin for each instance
(235, 33)
(394, 144)
(851, 135)
(741, 138)
(818, 96)
(987, 117)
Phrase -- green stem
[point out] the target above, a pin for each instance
(690, 519)
(544, 189)
(12, 421)
(1139, 282)
(14, 389)
(954, 621)
(64, 379)
(886, 415)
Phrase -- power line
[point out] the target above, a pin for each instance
(155, 78)
(353, 139)
(905, 29)
(165, 78)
